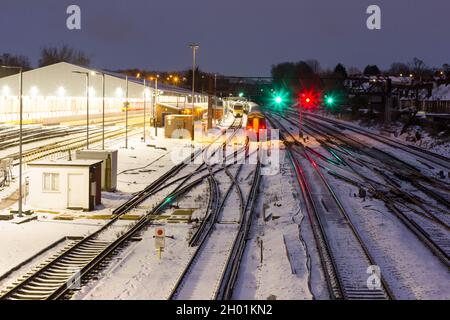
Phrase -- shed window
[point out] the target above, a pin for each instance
(50, 182)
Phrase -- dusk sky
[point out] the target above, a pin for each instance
(237, 37)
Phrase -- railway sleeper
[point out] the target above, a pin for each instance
(20, 296)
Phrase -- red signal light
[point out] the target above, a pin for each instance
(308, 99)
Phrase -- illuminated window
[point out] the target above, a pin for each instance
(50, 182)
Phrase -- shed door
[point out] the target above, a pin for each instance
(75, 191)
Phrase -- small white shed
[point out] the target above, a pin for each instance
(65, 184)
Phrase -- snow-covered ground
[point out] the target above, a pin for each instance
(408, 266)
(20, 241)
(284, 272)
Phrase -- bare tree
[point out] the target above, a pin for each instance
(398, 68)
(8, 59)
(354, 71)
(419, 68)
(314, 64)
(52, 55)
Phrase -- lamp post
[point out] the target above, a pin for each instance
(19, 209)
(155, 101)
(103, 106)
(87, 105)
(215, 98)
(194, 48)
(103, 111)
(145, 104)
(126, 114)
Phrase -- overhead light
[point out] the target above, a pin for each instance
(6, 91)
(61, 91)
(34, 91)
(119, 92)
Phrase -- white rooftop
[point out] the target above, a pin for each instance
(62, 163)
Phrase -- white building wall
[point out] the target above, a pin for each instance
(55, 200)
(55, 91)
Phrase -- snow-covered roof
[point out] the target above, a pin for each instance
(441, 92)
(61, 162)
(53, 79)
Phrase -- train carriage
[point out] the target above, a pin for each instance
(256, 122)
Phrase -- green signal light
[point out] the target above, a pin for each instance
(241, 94)
(278, 99)
(168, 199)
(330, 100)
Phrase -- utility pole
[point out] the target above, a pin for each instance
(20, 207)
(103, 105)
(215, 98)
(194, 48)
(87, 110)
(87, 105)
(388, 103)
(126, 114)
(103, 111)
(155, 106)
(145, 104)
(210, 102)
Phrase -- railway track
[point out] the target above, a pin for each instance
(33, 135)
(345, 258)
(11, 139)
(422, 153)
(429, 228)
(57, 277)
(215, 263)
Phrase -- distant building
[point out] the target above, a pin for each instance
(439, 101)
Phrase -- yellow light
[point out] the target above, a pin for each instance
(138, 75)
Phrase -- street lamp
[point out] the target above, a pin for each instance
(87, 105)
(19, 211)
(194, 48)
(145, 103)
(215, 99)
(103, 106)
(155, 103)
(126, 114)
